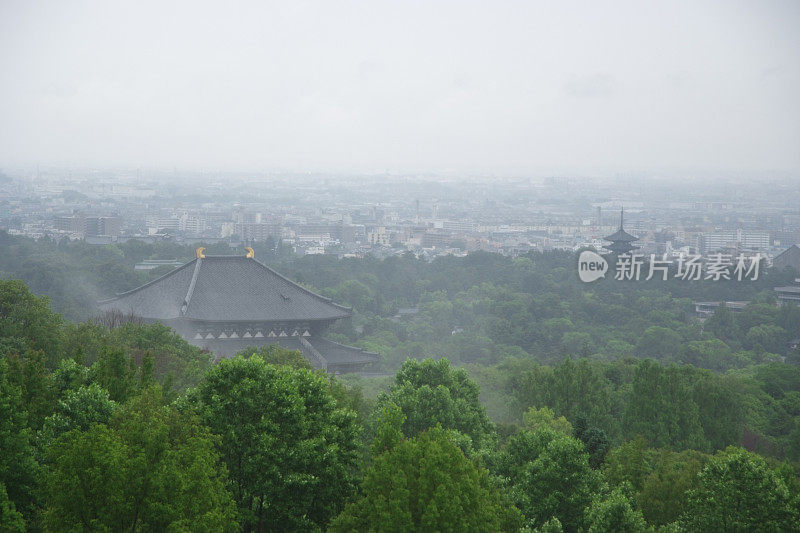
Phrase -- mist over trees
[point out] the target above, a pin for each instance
(529, 401)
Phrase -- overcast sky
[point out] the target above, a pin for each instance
(498, 87)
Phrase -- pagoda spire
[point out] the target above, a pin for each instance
(621, 240)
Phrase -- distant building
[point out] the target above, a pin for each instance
(109, 226)
(788, 258)
(228, 303)
(458, 226)
(158, 224)
(338, 231)
(432, 239)
(733, 240)
(257, 231)
(74, 224)
(182, 222)
(790, 293)
(621, 240)
(379, 236)
(191, 224)
(84, 226)
(315, 250)
(706, 309)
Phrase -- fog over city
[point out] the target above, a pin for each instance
(518, 266)
(586, 88)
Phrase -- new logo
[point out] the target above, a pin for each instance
(591, 266)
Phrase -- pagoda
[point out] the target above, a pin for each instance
(621, 240)
(228, 303)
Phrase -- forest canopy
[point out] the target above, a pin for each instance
(509, 396)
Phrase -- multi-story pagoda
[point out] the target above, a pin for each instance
(228, 303)
(621, 240)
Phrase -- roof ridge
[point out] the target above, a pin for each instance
(192, 283)
(254, 293)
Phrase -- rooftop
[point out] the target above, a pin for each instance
(621, 235)
(225, 288)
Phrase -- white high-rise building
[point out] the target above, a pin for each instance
(733, 239)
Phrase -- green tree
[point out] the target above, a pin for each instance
(147, 371)
(11, 520)
(614, 512)
(544, 418)
(432, 393)
(661, 408)
(720, 409)
(738, 492)
(577, 343)
(630, 462)
(550, 476)
(80, 409)
(766, 337)
(172, 355)
(275, 354)
(116, 373)
(426, 484)
(712, 354)
(577, 389)
(389, 431)
(551, 526)
(354, 293)
(617, 348)
(18, 468)
(27, 323)
(290, 450)
(153, 469)
(439, 315)
(69, 375)
(658, 342)
(664, 493)
(723, 324)
(86, 484)
(30, 374)
(595, 441)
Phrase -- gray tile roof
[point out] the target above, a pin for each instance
(161, 299)
(336, 353)
(621, 235)
(229, 347)
(333, 352)
(226, 288)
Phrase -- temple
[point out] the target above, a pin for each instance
(621, 240)
(228, 303)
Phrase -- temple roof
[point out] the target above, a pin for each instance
(621, 235)
(334, 354)
(227, 289)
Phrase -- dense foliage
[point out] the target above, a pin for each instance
(565, 407)
(291, 452)
(424, 484)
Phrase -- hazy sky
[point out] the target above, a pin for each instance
(501, 87)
